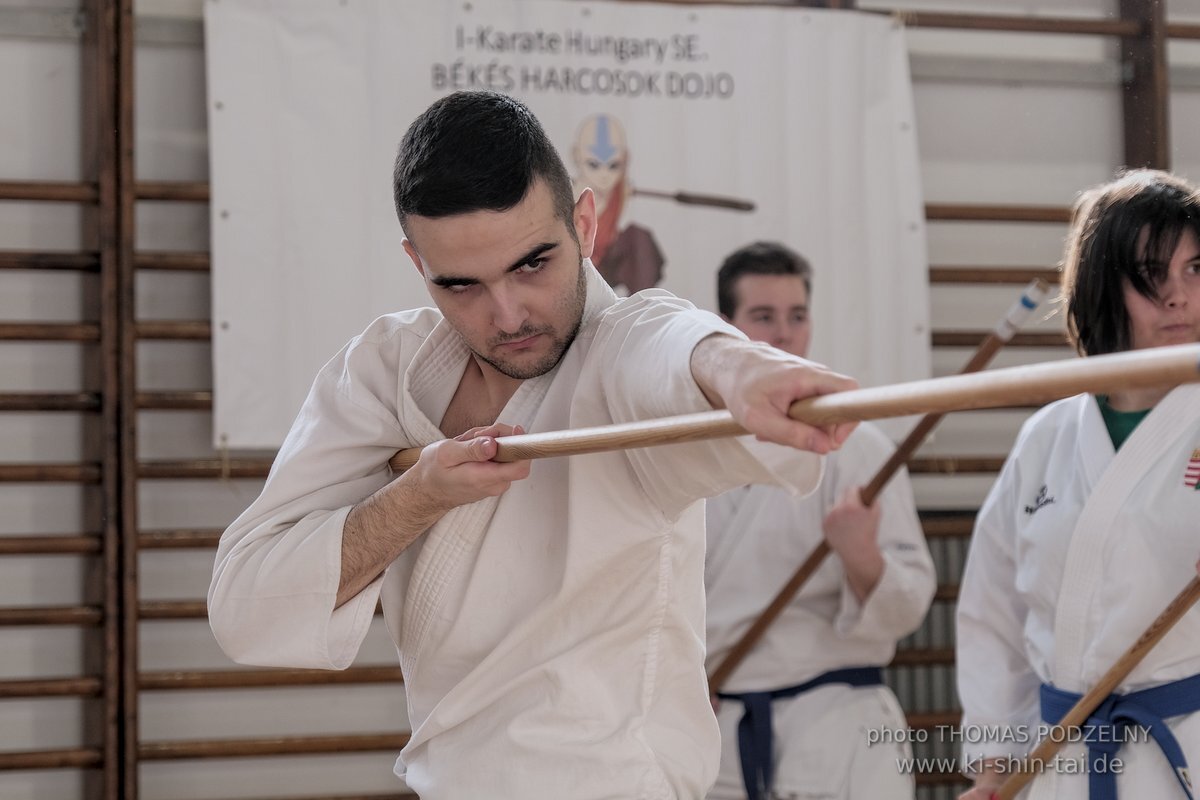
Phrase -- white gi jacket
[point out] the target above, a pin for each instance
(757, 537)
(1076, 550)
(552, 639)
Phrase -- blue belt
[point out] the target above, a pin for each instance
(756, 743)
(1104, 730)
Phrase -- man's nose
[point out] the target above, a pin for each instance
(783, 332)
(508, 310)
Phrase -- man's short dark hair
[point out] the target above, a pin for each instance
(760, 258)
(1105, 248)
(476, 151)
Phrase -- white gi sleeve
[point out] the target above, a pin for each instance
(899, 602)
(278, 566)
(644, 347)
(996, 683)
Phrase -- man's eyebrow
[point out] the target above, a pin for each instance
(450, 280)
(534, 252)
(756, 309)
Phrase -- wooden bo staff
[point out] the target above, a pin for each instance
(997, 388)
(697, 199)
(1014, 318)
(1030, 766)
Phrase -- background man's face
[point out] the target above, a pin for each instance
(774, 309)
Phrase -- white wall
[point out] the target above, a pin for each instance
(994, 138)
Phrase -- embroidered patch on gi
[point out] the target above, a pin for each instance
(1191, 475)
(1040, 500)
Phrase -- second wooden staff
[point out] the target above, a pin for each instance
(1030, 299)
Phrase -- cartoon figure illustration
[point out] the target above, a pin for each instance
(628, 257)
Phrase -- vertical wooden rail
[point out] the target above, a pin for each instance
(100, 157)
(1145, 93)
(127, 375)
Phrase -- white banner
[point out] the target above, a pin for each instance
(806, 116)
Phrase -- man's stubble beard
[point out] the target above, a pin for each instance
(560, 344)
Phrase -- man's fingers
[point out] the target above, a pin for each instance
(496, 429)
(783, 430)
(481, 448)
(841, 432)
(826, 381)
(453, 452)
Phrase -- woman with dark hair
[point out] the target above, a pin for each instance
(1093, 526)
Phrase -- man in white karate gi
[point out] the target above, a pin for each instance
(804, 714)
(549, 616)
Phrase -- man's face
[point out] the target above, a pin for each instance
(510, 282)
(773, 309)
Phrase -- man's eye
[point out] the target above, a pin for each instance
(533, 265)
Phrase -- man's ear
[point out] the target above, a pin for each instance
(416, 258)
(584, 219)
(727, 319)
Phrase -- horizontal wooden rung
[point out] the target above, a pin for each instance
(179, 539)
(973, 212)
(188, 329)
(279, 746)
(1019, 23)
(185, 191)
(950, 524)
(172, 260)
(946, 593)
(923, 657)
(50, 331)
(172, 609)
(81, 757)
(260, 678)
(49, 260)
(944, 338)
(944, 778)
(44, 401)
(955, 465)
(197, 400)
(85, 616)
(50, 191)
(205, 468)
(49, 473)
(50, 544)
(259, 467)
(52, 687)
(1017, 276)
(1183, 30)
(926, 720)
(390, 796)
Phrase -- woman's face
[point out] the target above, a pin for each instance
(1173, 316)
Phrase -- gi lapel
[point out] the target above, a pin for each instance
(1090, 541)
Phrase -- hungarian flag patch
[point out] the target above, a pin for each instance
(1191, 476)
